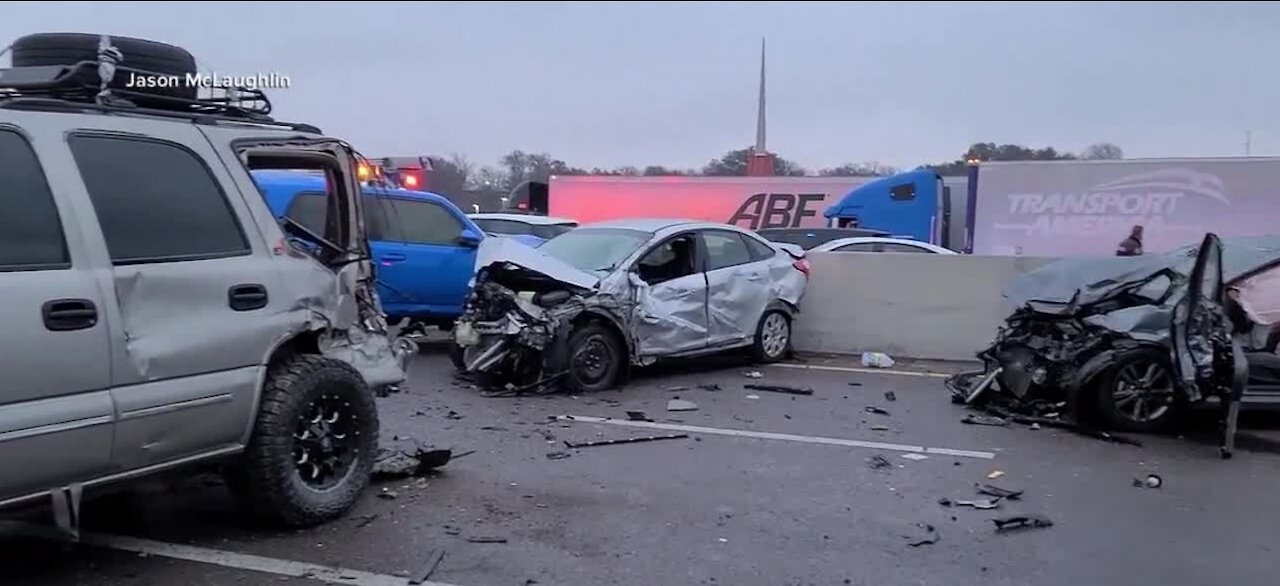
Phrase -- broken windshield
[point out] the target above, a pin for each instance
(596, 250)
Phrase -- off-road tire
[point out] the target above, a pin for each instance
(759, 349)
(44, 49)
(1105, 385)
(267, 478)
(594, 333)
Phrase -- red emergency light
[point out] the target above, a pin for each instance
(410, 181)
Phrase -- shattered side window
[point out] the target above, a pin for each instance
(725, 249)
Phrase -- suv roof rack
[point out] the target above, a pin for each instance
(77, 88)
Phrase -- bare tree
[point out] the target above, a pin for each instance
(1103, 151)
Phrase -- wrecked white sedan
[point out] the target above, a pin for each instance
(587, 304)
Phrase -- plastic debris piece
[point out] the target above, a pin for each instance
(980, 504)
(996, 491)
(558, 455)
(879, 428)
(753, 396)
(433, 561)
(709, 387)
(983, 420)
(995, 474)
(753, 374)
(924, 534)
(877, 410)
(790, 390)
(677, 389)
(638, 416)
(1151, 481)
(878, 462)
(629, 440)
(855, 384)
(681, 405)
(890, 396)
(916, 457)
(487, 539)
(877, 360)
(1022, 521)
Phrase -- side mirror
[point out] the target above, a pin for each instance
(468, 238)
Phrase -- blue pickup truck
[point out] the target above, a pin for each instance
(424, 247)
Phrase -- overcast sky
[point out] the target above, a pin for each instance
(606, 84)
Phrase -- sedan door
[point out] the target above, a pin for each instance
(738, 287)
(1201, 339)
(671, 297)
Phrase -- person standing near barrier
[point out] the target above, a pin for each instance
(1131, 246)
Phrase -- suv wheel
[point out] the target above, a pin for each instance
(314, 443)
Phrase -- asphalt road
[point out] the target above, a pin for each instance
(721, 507)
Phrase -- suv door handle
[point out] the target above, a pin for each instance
(247, 297)
(66, 315)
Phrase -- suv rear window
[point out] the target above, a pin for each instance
(30, 231)
(156, 202)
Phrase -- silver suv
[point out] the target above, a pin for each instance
(156, 314)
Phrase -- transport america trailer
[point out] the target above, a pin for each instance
(749, 202)
(1072, 208)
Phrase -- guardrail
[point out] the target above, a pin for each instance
(928, 306)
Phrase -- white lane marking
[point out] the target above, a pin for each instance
(227, 559)
(808, 439)
(863, 370)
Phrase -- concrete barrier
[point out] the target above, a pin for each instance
(930, 306)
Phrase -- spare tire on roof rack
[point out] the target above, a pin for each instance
(158, 59)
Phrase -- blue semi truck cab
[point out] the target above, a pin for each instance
(915, 204)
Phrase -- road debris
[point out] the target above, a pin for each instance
(923, 534)
(878, 462)
(743, 419)
(995, 474)
(400, 464)
(753, 397)
(433, 561)
(1022, 521)
(890, 396)
(877, 360)
(855, 384)
(723, 540)
(876, 410)
(638, 416)
(983, 420)
(676, 389)
(365, 520)
(790, 390)
(980, 504)
(1035, 426)
(388, 494)
(1151, 481)
(916, 457)
(486, 539)
(879, 428)
(453, 415)
(558, 455)
(753, 374)
(996, 491)
(629, 440)
(681, 405)
(493, 428)
(709, 387)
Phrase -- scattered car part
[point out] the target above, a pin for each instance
(890, 396)
(558, 455)
(709, 387)
(995, 474)
(923, 534)
(876, 410)
(681, 405)
(753, 374)
(1000, 493)
(1022, 521)
(676, 389)
(876, 360)
(638, 416)
(629, 440)
(980, 504)
(878, 462)
(787, 389)
(432, 562)
(486, 539)
(879, 428)
(916, 457)
(1150, 481)
(987, 421)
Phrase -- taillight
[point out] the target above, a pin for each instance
(802, 265)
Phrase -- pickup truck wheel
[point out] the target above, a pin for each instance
(773, 338)
(1137, 394)
(595, 358)
(314, 443)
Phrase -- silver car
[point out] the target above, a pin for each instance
(589, 303)
(156, 315)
